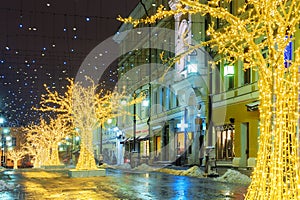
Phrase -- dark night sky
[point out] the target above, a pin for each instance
(45, 41)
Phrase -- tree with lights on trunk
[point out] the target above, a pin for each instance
(16, 155)
(35, 145)
(43, 139)
(56, 131)
(87, 108)
(258, 26)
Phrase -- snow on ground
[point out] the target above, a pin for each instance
(145, 167)
(233, 176)
(194, 171)
(123, 166)
(104, 166)
(6, 186)
(170, 171)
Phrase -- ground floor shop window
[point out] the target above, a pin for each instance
(190, 141)
(144, 148)
(180, 143)
(225, 143)
(158, 145)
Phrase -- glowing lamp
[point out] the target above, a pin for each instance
(145, 103)
(2, 120)
(6, 130)
(192, 68)
(228, 70)
(109, 121)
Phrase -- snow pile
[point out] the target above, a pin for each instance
(6, 186)
(124, 166)
(170, 171)
(233, 176)
(144, 167)
(104, 166)
(194, 171)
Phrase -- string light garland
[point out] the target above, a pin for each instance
(260, 25)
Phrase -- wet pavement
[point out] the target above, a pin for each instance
(35, 184)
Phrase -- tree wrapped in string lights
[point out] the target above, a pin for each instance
(16, 155)
(35, 145)
(56, 130)
(87, 108)
(43, 139)
(257, 27)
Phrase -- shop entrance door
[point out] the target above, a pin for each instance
(244, 144)
(225, 144)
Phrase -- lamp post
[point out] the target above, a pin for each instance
(135, 151)
(149, 71)
(2, 141)
(134, 121)
(2, 120)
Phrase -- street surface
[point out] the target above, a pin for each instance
(36, 184)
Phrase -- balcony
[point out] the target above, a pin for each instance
(243, 93)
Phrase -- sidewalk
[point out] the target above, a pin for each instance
(221, 170)
(10, 189)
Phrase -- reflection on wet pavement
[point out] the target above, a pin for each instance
(40, 184)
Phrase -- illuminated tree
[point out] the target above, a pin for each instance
(86, 108)
(260, 26)
(54, 132)
(36, 146)
(16, 155)
(43, 139)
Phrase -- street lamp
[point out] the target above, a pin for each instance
(149, 73)
(134, 121)
(2, 141)
(228, 70)
(144, 103)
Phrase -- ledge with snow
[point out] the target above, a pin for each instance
(74, 173)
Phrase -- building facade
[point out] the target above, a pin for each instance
(168, 128)
(191, 106)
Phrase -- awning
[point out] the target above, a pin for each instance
(124, 141)
(130, 139)
(144, 137)
(252, 106)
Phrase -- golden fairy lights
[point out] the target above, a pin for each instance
(258, 34)
(16, 155)
(42, 140)
(85, 108)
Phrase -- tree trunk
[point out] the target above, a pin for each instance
(86, 160)
(54, 157)
(16, 164)
(276, 175)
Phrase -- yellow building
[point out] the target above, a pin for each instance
(235, 114)
(223, 107)
(235, 103)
